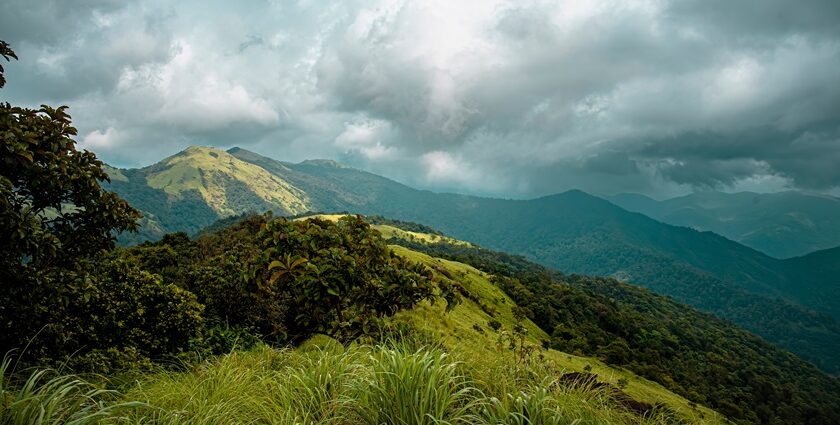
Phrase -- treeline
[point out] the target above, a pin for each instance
(694, 354)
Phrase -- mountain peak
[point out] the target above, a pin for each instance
(227, 184)
(202, 150)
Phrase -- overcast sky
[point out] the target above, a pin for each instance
(512, 98)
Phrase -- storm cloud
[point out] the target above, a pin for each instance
(512, 98)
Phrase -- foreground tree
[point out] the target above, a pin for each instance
(56, 225)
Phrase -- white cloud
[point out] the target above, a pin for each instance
(368, 138)
(98, 140)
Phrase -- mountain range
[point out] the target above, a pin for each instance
(792, 303)
(782, 225)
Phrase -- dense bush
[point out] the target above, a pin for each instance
(286, 280)
(339, 277)
(104, 304)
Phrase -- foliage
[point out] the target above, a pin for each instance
(7, 54)
(340, 276)
(286, 280)
(107, 306)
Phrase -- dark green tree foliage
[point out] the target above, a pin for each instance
(112, 303)
(694, 354)
(52, 207)
(211, 267)
(286, 280)
(7, 54)
(340, 276)
(60, 294)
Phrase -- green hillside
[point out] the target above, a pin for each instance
(573, 232)
(822, 287)
(782, 225)
(689, 352)
(578, 233)
(461, 336)
(598, 322)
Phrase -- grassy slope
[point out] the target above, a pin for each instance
(456, 331)
(322, 382)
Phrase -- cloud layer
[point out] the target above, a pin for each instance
(514, 98)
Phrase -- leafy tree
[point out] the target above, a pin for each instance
(52, 207)
(7, 54)
(56, 224)
(341, 276)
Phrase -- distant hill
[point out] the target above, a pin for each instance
(573, 232)
(821, 288)
(782, 225)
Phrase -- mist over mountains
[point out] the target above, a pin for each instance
(782, 224)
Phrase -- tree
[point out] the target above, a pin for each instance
(54, 215)
(52, 207)
(341, 277)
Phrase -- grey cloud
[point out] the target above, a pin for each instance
(69, 50)
(767, 19)
(510, 98)
(611, 162)
(47, 22)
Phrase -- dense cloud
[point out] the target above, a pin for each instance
(499, 97)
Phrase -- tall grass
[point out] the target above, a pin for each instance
(421, 387)
(385, 384)
(46, 397)
(393, 383)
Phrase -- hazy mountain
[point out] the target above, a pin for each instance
(573, 232)
(782, 225)
(821, 288)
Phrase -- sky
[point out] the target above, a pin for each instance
(506, 98)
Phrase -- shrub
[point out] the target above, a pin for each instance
(103, 305)
(494, 324)
(340, 277)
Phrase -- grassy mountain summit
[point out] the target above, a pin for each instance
(782, 224)
(573, 232)
(224, 182)
(193, 188)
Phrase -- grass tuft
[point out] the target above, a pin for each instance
(46, 397)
